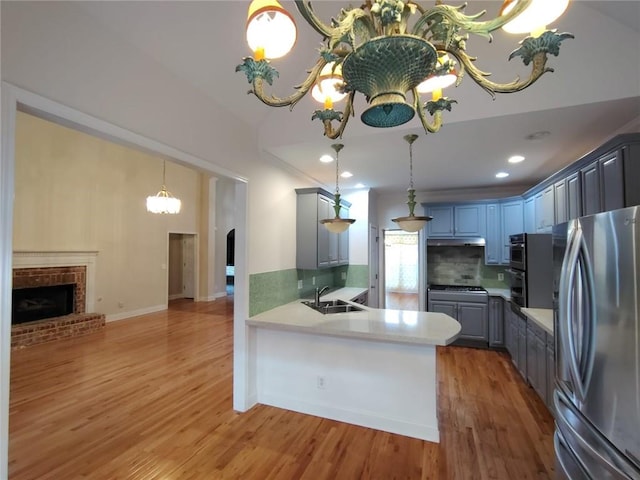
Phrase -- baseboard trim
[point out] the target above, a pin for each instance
(426, 432)
(113, 317)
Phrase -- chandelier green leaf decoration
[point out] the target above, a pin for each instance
(387, 49)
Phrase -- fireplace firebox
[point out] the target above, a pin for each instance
(37, 303)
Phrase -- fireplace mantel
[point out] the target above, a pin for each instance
(70, 258)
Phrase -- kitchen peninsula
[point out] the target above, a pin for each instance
(374, 367)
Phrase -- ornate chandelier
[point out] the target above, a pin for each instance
(163, 201)
(386, 49)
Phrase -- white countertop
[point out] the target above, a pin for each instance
(400, 326)
(541, 316)
(499, 292)
(345, 293)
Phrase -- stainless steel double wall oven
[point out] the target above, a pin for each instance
(531, 270)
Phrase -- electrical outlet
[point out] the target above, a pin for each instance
(321, 382)
(120, 304)
(299, 284)
(313, 280)
(344, 275)
(501, 276)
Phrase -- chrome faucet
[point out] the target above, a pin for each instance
(320, 291)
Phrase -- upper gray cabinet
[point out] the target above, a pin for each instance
(545, 210)
(460, 220)
(512, 223)
(316, 247)
(606, 179)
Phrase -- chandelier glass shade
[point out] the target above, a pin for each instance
(271, 31)
(535, 17)
(411, 223)
(386, 49)
(337, 224)
(163, 202)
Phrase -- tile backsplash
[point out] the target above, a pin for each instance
(463, 266)
(272, 289)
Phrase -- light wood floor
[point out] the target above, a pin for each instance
(150, 398)
(402, 301)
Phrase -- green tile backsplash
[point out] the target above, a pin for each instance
(463, 266)
(272, 289)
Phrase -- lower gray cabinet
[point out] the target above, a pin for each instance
(496, 322)
(473, 317)
(510, 330)
(521, 361)
(537, 359)
(551, 372)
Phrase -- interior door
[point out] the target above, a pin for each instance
(374, 267)
(188, 265)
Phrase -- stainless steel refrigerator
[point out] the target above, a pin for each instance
(597, 335)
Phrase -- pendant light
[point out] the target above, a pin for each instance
(337, 224)
(411, 223)
(163, 201)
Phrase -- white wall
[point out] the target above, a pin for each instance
(225, 222)
(359, 231)
(78, 192)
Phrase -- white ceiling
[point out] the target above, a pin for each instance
(593, 94)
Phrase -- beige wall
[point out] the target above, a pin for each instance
(78, 192)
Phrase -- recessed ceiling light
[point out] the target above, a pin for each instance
(502, 175)
(326, 158)
(346, 175)
(516, 159)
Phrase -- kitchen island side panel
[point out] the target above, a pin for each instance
(381, 385)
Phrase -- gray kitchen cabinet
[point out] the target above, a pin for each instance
(511, 222)
(545, 210)
(493, 246)
(472, 317)
(496, 322)
(560, 195)
(449, 221)
(530, 215)
(590, 180)
(611, 185)
(316, 247)
(510, 333)
(551, 371)
(574, 196)
(443, 306)
(602, 184)
(521, 361)
(537, 359)
(611, 181)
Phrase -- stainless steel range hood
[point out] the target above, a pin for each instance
(456, 242)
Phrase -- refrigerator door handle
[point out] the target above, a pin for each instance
(609, 459)
(566, 306)
(588, 322)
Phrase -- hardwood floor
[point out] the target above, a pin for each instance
(402, 301)
(150, 398)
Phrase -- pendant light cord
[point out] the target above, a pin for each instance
(337, 147)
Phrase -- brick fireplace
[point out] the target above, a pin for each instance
(45, 269)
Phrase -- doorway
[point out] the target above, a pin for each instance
(231, 260)
(401, 270)
(182, 266)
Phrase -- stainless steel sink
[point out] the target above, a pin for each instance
(332, 306)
